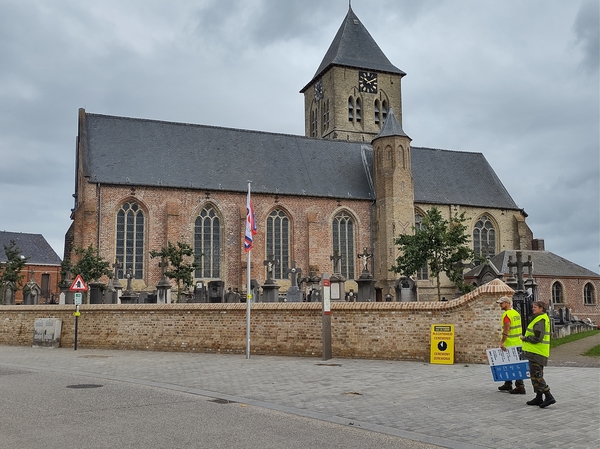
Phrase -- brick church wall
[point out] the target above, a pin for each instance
(398, 331)
(170, 215)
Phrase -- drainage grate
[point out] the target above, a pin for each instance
(84, 386)
(221, 401)
(328, 364)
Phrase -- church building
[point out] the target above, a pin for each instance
(353, 182)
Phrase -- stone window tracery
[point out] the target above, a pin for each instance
(207, 243)
(589, 295)
(130, 240)
(484, 238)
(557, 293)
(278, 242)
(343, 242)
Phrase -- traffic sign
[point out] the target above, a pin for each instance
(78, 285)
(78, 298)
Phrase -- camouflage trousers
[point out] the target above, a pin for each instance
(537, 378)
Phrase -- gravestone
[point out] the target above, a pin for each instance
(561, 316)
(366, 283)
(96, 292)
(117, 287)
(336, 280)
(270, 288)
(128, 296)
(232, 297)
(9, 293)
(216, 291)
(46, 332)
(294, 294)
(31, 292)
(406, 290)
(163, 288)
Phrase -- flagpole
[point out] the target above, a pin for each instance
(248, 292)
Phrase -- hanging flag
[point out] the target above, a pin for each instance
(250, 223)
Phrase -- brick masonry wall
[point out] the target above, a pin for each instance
(573, 295)
(398, 331)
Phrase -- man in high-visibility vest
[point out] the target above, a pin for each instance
(511, 336)
(536, 349)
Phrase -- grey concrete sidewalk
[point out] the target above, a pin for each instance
(456, 406)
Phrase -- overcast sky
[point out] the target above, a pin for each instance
(516, 80)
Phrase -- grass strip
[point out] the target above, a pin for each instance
(594, 352)
(571, 338)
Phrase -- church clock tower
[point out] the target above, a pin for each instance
(354, 88)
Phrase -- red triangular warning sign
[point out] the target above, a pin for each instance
(78, 285)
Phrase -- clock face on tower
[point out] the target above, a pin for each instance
(319, 89)
(367, 82)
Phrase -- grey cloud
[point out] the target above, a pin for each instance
(587, 32)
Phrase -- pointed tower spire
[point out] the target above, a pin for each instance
(391, 127)
(353, 46)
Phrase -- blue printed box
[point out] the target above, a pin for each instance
(507, 365)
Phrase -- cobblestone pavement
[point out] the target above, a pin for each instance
(454, 406)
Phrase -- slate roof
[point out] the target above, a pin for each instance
(391, 126)
(33, 246)
(129, 151)
(545, 263)
(353, 46)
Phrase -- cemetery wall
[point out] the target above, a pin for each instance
(399, 331)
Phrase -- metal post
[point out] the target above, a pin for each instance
(76, 326)
(326, 317)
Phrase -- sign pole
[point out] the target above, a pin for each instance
(76, 325)
(77, 286)
(326, 317)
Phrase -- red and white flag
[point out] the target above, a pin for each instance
(250, 223)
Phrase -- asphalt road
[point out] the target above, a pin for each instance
(57, 411)
(139, 399)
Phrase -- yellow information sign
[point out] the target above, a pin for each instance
(442, 344)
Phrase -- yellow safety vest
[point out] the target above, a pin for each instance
(542, 348)
(514, 331)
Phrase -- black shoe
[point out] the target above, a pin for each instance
(538, 400)
(505, 387)
(548, 401)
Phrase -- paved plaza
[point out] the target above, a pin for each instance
(418, 404)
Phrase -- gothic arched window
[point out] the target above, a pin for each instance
(351, 109)
(326, 114)
(130, 240)
(381, 111)
(278, 242)
(589, 296)
(384, 110)
(557, 293)
(484, 237)
(423, 273)
(343, 243)
(207, 243)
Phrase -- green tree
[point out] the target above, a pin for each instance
(91, 266)
(182, 264)
(10, 271)
(438, 243)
